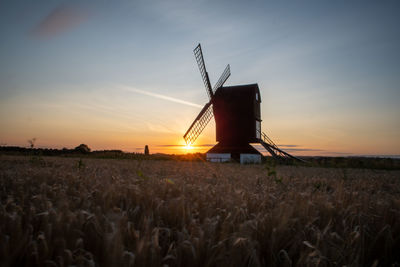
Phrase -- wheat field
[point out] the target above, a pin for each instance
(99, 212)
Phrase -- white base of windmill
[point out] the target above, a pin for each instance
(243, 153)
(226, 157)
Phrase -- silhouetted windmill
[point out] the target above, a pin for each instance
(238, 120)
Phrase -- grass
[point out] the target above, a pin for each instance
(102, 212)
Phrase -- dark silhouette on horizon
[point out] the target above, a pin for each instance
(237, 117)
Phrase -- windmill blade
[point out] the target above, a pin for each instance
(202, 67)
(199, 124)
(224, 76)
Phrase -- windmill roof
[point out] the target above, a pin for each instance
(238, 148)
(239, 89)
(242, 86)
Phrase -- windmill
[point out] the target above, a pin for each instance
(236, 110)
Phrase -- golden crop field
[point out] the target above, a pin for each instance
(109, 212)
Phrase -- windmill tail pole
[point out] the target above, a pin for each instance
(275, 151)
(288, 155)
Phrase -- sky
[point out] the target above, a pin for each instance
(122, 74)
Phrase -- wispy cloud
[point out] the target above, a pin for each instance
(302, 149)
(160, 96)
(203, 145)
(288, 146)
(337, 153)
(61, 19)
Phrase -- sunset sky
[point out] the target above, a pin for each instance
(122, 74)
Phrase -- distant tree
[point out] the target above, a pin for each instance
(82, 148)
(32, 142)
(146, 150)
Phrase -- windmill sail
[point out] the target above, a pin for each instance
(206, 113)
(224, 76)
(199, 124)
(202, 67)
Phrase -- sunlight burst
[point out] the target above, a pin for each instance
(188, 147)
